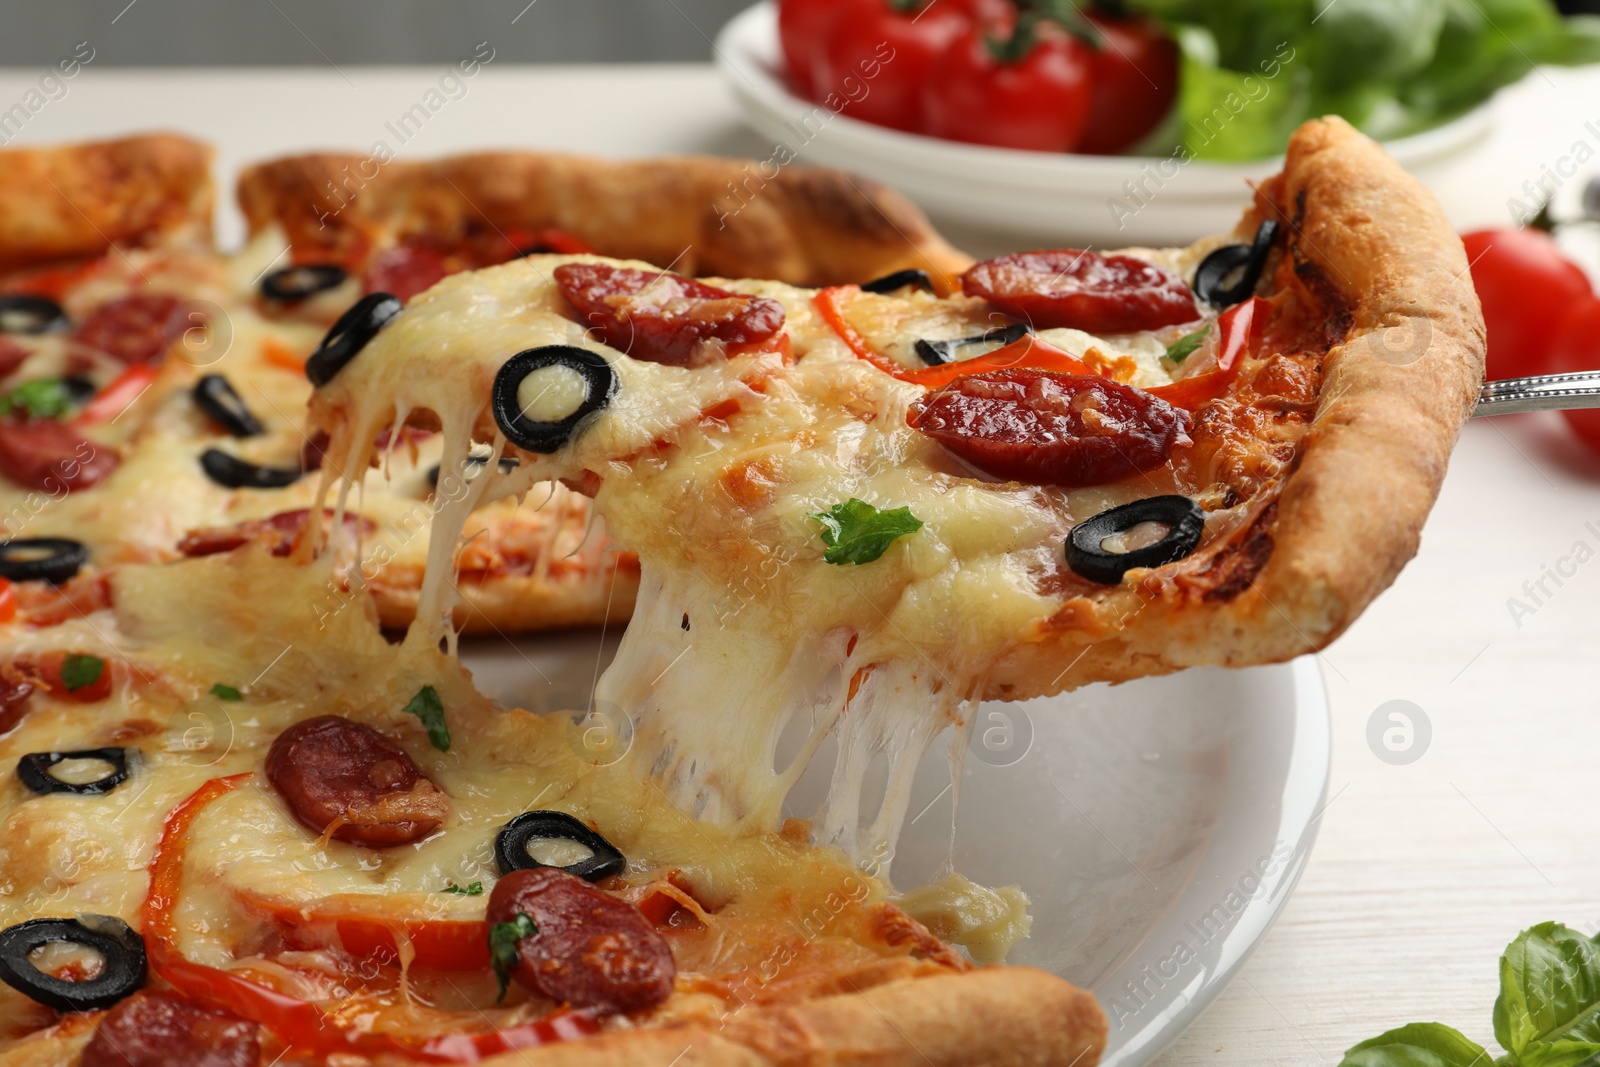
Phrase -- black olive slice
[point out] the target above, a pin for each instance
(231, 472)
(119, 947)
(511, 845)
(899, 280)
(1211, 277)
(298, 283)
(547, 437)
(51, 559)
(78, 390)
(350, 335)
(31, 314)
(33, 771)
(934, 353)
(507, 465)
(215, 396)
(1185, 522)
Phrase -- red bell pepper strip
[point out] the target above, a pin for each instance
(447, 944)
(1029, 352)
(297, 1021)
(1233, 341)
(114, 399)
(549, 239)
(827, 302)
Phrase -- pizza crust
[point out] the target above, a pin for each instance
(697, 215)
(1397, 388)
(999, 1017)
(516, 603)
(77, 201)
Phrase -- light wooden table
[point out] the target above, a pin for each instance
(1424, 871)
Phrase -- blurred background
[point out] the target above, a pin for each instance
(190, 33)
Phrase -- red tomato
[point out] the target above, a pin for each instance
(1576, 347)
(876, 62)
(803, 28)
(1527, 287)
(1039, 102)
(1135, 75)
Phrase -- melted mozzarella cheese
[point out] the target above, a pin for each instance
(250, 621)
(741, 630)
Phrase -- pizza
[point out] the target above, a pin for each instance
(1077, 468)
(142, 366)
(234, 837)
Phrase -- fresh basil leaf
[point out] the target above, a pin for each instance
(427, 707)
(226, 692)
(1418, 1045)
(1188, 344)
(472, 889)
(78, 670)
(1548, 1011)
(856, 532)
(503, 955)
(42, 398)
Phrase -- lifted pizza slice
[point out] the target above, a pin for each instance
(862, 513)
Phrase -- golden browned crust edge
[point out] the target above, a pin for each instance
(999, 1017)
(73, 201)
(1350, 513)
(699, 215)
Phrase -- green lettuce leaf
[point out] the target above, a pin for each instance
(1233, 115)
(1391, 67)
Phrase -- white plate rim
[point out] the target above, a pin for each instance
(1304, 797)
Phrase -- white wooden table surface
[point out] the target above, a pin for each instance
(1423, 871)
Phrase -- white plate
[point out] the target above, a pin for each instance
(1158, 826)
(1050, 197)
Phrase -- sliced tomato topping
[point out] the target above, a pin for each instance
(1082, 290)
(664, 318)
(1234, 329)
(1051, 429)
(115, 398)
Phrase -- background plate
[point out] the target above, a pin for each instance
(1042, 197)
(1158, 826)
